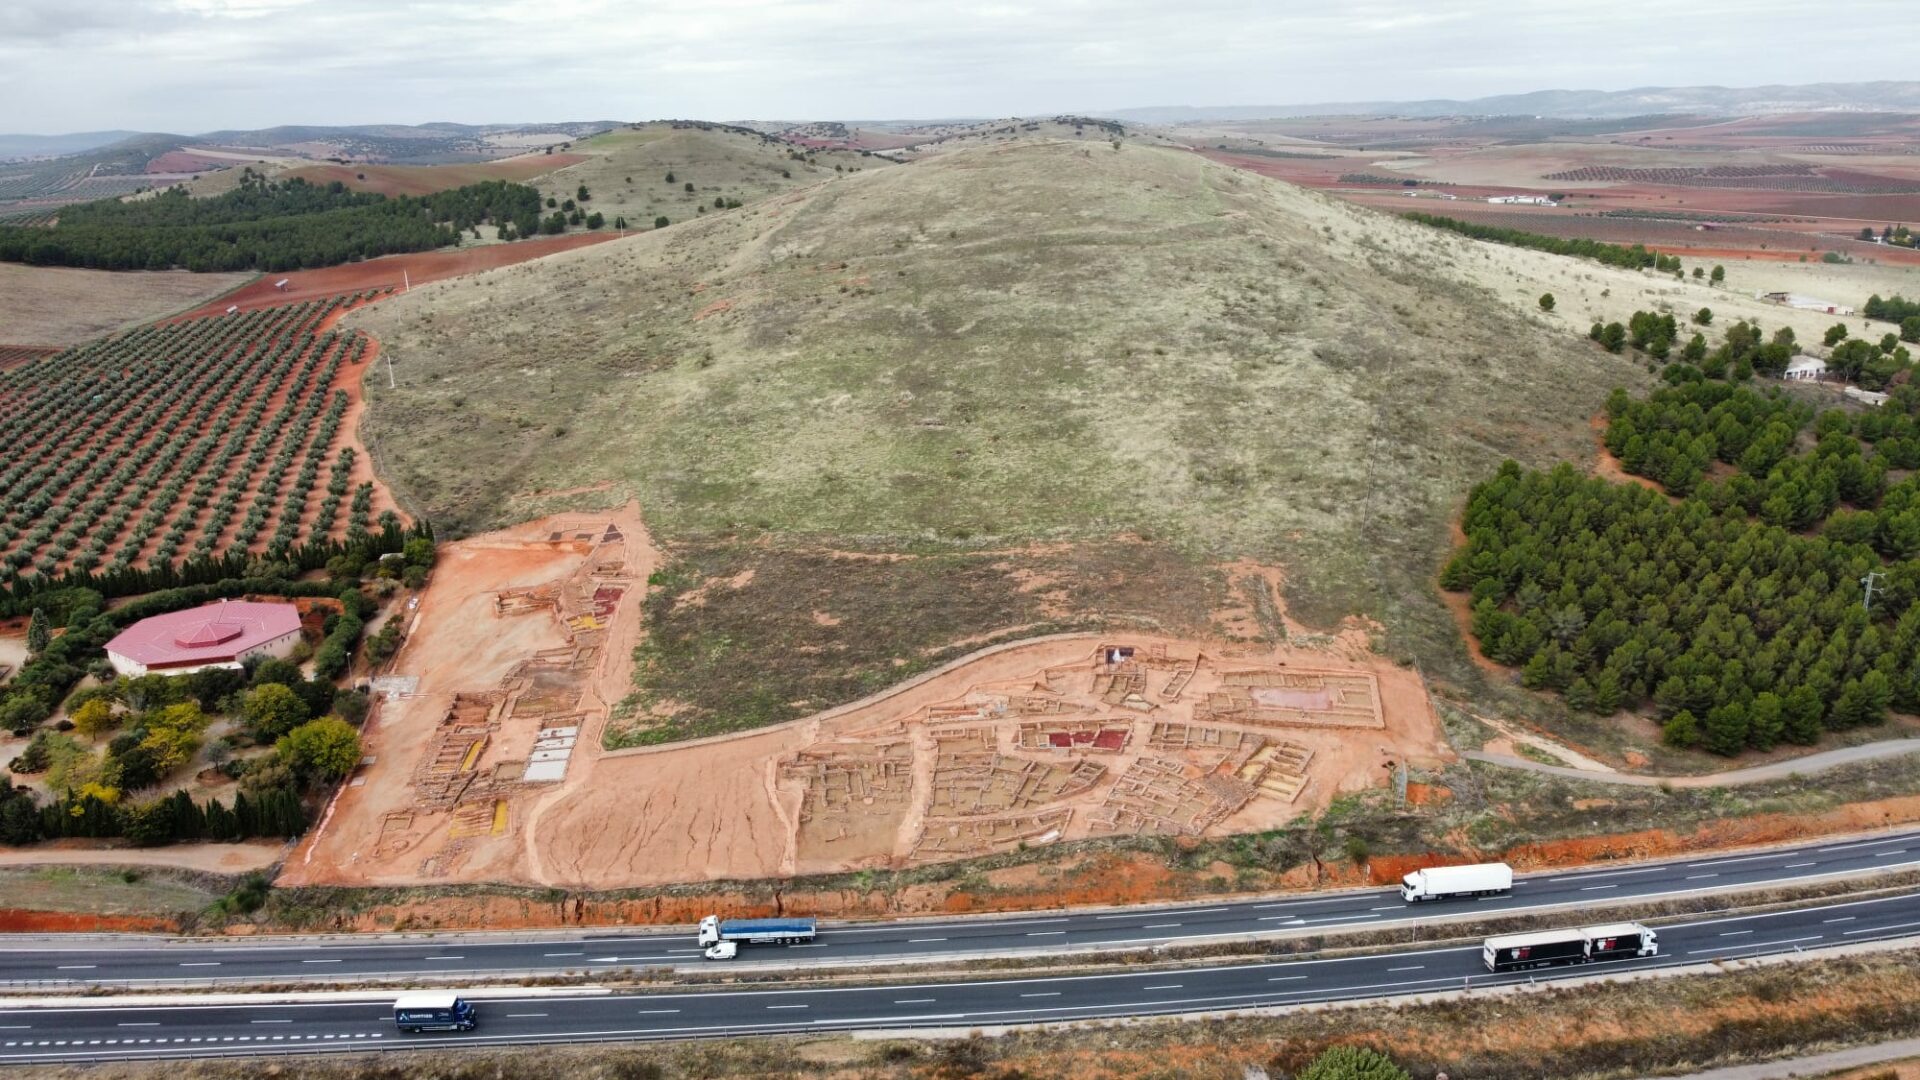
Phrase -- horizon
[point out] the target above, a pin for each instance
(196, 66)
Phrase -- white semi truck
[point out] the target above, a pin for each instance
(1446, 882)
(720, 939)
(1580, 945)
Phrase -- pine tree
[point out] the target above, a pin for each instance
(39, 633)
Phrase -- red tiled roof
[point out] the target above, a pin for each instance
(208, 634)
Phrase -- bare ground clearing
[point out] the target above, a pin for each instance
(58, 305)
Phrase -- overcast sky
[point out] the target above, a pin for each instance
(190, 66)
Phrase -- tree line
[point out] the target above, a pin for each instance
(267, 225)
(1738, 632)
(1636, 257)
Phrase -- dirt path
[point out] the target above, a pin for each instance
(213, 858)
(1775, 770)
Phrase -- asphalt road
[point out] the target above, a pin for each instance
(26, 963)
(75, 1033)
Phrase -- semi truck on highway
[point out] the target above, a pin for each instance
(1446, 882)
(434, 1012)
(1579, 945)
(720, 939)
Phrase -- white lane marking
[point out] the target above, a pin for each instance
(321, 961)
(1882, 929)
(1280, 918)
(1884, 854)
(76, 967)
(1735, 933)
(788, 1006)
(923, 940)
(815, 945)
(1416, 967)
(443, 958)
(1046, 933)
(1286, 978)
(1700, 877)
(1729, 862)
(1160, 926)
(1798, 865)
(1389, 907)
(1848, 918)
(1866, 843)
(522, 1016)
(564, 954)
(1164, 986)
(139, 1023)
(912, 1001)
(1339, 918)
(269, 1021)
(200, 963)
(657, 1012)
(1753, 945)
(1301, 903)
(1049, 993)
(1606, 873)
(1597, 888)
(1154, 914)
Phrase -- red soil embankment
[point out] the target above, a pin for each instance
(392, 271)
(19, 921)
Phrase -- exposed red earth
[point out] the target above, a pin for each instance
(393, 271)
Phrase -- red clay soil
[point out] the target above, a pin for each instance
(1608, 467)
(18, 921)
(12, 356)
(392, 272)
(1460, 605)
(427, 179)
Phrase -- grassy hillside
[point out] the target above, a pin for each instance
(626, 170)
(1052, 340)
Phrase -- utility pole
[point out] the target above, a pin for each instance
(1869, 581)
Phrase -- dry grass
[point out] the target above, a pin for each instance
(55, 305)
(107, 891)
(1030, 341)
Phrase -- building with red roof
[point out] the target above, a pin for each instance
(222, 634)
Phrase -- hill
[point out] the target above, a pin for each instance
(626, 170)
(993, 346)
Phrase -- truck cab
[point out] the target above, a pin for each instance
(710, 931)
(434, 1012)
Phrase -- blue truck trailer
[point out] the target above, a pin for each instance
(720, 939)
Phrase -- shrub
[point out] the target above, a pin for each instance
(1353, 1063)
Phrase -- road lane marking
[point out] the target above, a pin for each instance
(269, 1021)
(1754, 945)
(443, 958)
(815, 945)
(564, 954)
(1280, 918)
(523, 1016)
(320, 961)
(1606, 873)
(1735, 933)
(923, 940)
(200, 963)
(657, 1012)
(787, 1006)
(1700, 877)
(1848, 918)
(1884, 854)
(1416, 967)
(1597, 888)
(139, 1023)
(1160, 926)
(912, 1001)
(76, 967)
(1046, 933)
(1340, 918)
(1389, 907)
(1164, 986)
(1152, 914)
(1286, 978)
(1798, 865)
(1882, 929)
(1049, 993)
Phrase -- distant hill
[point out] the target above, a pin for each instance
(19, 146)
(1701, 100)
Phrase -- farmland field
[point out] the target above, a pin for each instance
(62, 305)
(427, 179)
(200, 439)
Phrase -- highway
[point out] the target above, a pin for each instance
(26, 963)
(105, 1030)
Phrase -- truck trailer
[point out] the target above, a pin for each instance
(434, 1012)
(1578, 945)
(1446, 882)
(720, 939)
